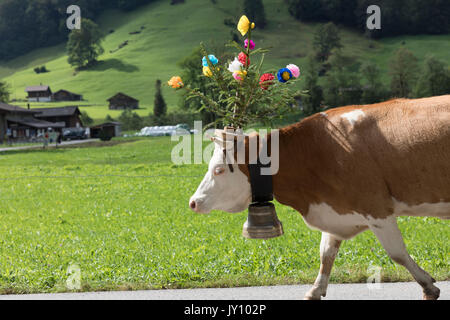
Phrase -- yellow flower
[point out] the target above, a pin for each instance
(207, 71)
(243, 25)
(253, 25)
(175, 82)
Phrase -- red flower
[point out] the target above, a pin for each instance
(266, 80)
(242, 57)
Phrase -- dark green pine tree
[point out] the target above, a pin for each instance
(160, 107)
(254, 10)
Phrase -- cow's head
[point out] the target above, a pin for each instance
(225, 186)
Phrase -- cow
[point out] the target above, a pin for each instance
(349, 169)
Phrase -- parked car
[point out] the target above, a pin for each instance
(74, 134)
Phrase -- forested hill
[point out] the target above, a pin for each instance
(30, 24)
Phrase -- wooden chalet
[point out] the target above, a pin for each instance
(39, 93)
(19, 124)
(65, 95)
(70, 115)
(121, 101)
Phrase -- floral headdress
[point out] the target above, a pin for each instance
(246, 94)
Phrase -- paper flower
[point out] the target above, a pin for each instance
(212, 59)
(266, 80)
(175, 82)
(294, 70)
(284, 75)
(242, 57)
(252, 44)
(239, 75)
(207, 71)
(243, 25)
(235, 66)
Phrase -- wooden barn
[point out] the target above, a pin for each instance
(70, 115)
(65, 95)
(39, 93)
(121, 101)
(112, 129)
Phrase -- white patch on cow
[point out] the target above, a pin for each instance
(353, 116)
(324, 114)
(439, 209)
(229, 191)
(344, 226)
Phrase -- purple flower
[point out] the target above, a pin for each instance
(252, 44)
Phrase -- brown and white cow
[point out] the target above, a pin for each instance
(350, 169)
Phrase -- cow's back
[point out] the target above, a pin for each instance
(370, 158)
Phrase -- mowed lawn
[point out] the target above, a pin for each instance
(120, 215)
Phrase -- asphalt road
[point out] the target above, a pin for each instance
(359, 291)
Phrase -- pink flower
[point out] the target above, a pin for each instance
(294, 69)
(237, 76)
(252, 44)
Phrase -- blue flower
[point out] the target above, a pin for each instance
(212, 59)
(284, 75)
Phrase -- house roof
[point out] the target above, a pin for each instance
(56, 112)
(36, 123)
(123, 95)
(10, 108)
(37, 88)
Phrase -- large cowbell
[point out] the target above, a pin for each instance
(262, 220)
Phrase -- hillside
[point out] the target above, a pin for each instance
(169, 33)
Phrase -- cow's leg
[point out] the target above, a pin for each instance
(390, 237)
(329, 246)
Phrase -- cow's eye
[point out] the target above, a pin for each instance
(218, 170)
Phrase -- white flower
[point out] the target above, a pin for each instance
(235, 66)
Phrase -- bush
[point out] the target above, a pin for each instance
(41, 69)
(104, 136)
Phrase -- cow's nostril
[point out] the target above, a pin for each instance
(192, 204)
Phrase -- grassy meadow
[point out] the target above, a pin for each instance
(170, 33)
(119, 212)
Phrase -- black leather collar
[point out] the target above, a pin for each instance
(262, 189)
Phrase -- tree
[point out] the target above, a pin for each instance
(254, 10)
(434, 79)
(342, 84)
(4, 92)
(404, 70)
(313, 101)
(86, 119)
(307, 10)
(130, 120)
(374, 90)
(84, 44)
(160, 107)
(109, 118)
(326, 38)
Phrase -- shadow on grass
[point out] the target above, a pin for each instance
(113, 63)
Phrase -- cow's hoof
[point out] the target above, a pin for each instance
(431, 293)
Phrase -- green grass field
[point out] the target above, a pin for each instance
(170, 33)
(120, 214)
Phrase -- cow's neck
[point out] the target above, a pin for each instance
(291, 184)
